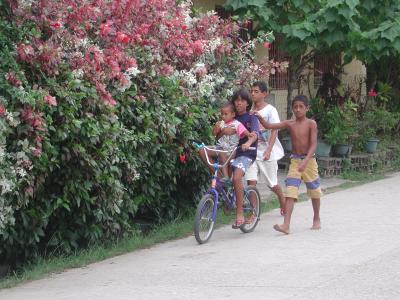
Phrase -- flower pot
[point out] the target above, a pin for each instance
(286, 144)
(342, 150)
(370, 145)
(323, 149)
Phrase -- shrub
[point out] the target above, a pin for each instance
(98, 101)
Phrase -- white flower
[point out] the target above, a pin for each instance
(21, 172)
(132, 71)
(77, 73)
(2, 153)
(25, 4)
(6, 186)
(188, 77)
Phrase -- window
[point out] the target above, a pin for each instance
(278, 81)
(325, 64)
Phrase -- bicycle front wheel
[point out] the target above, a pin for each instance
(251, 208)
(203, 221)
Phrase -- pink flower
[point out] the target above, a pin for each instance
(166, 70)
(372, 93)
(50, 100)
(201, 71)
(36, 151)
(12, 79)
(2, 111)
(25, 52)
(105, 29)
(29, 191)
(266, 45)
(56, 25)
(182, 158)
(122, 38)
(197, 47)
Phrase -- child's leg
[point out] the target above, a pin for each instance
(285, 227)
(223, 157)
(312, 181)
(279, 193)
(238, 185)
(211, 156)
(316, 203)
(269, 170)
(293, 181)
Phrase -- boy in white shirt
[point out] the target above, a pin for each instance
(269, 149)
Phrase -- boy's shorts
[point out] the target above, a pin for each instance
(242, 162)
(309, 176)
(266, 169)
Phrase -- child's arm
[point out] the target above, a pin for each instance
(266, 125)
(311, 148)
(253, 135)
(218, 132)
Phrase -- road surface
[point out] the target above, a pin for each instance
(356, 255)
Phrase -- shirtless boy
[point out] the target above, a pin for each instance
(303, 165)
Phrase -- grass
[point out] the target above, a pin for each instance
(178, 229)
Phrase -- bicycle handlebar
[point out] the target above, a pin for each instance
(200, 145)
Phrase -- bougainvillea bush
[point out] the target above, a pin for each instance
(98, 100)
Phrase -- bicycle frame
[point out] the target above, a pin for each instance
(206, 212)
(215, 183)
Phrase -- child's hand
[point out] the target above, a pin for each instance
(267, 155)
(217, 129)
(228, 131)
(245, 146)
(251, 134)
(258, 116)
(302, 166)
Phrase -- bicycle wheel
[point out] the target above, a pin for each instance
(251, 209)
(203, 221)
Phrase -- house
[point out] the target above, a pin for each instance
(352, 77)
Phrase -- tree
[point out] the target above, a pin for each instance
(366, 29)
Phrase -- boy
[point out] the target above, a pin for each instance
(303, 165)
(269, 149)
(244, 157)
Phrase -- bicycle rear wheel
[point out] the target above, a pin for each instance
(251, 208)
(203, 221)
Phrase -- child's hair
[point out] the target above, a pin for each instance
(261, 85)
(243, 94)
(300, 98)
(228, 104)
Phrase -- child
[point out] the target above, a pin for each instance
(244, 157)
(303, 165)
(228, 142)
(269, 149)
(228, 132)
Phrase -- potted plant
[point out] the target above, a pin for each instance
(337, 125)
(318, 112)
(375, 121)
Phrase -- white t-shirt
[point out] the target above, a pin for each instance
(229, 142)
(270, 114)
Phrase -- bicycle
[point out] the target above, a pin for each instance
(207, 208)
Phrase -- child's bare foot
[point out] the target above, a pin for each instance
(281, 228)
(316, 225)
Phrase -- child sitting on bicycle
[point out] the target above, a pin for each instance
(226, 141)
(245, 156)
